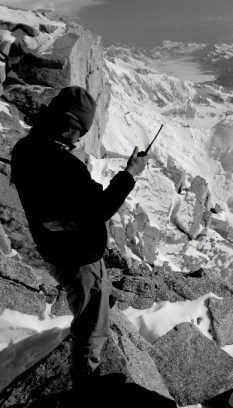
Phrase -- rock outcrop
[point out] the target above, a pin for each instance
(195, 366)
(41, 53)
(189, 214)
(125, 354)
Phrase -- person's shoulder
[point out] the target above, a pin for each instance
(26, 149)
(20, 147)
(78, 162)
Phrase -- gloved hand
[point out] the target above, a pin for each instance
(136, 164)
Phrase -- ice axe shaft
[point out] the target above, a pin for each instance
(148, 148)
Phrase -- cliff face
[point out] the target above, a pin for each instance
(39, 54)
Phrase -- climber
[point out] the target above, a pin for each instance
(66, 212)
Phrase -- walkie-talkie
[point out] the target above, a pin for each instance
(141, 154)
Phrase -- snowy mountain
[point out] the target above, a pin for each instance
(215, 57)
(167, 49)
(196, 137)
(170, 250)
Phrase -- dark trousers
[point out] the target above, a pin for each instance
(87, 294)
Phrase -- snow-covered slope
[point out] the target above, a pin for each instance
(194, 118)
(215, 58)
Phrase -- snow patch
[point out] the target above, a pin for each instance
(156, 321)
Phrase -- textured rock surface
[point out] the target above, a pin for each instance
(125, 352)
(188, 215)
(222, 320)
(45, 52)
(194, 368)
(176, 174)
(199, 187)
(175, 286)
(222, 227)
(24, 289)
(138, 234)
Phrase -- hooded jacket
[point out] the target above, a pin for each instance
(54, 185)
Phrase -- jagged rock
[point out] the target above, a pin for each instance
(134, 291)
(230, 234)
(190, 110)
(125, 352)
(4, 168)
(117, 232)
(151, 236)
(141, 219)
(172, 235)
(200, 188)
(141, 302)
(175, 286)
(121, 298)
(175, 174)
(221, 312)
(163, 284)
(189, 213)
(193, 367)
(222, 227)
(15, 296)
(140, 269)
(184, 255)
(126, 343)
(142, 292)
(10, 128)
(192, 259)
(24, 274)
(60, 307)
(47, 50)
(139, 285)
(218, 251)
(113, 258)
(217, 209)
(138, 235)
(28, 98)
(15, 224)
(207, 216)
(9, 196)
(131, 232)
(11, 212)
(27, 290)
(114, 274)
(2, 74)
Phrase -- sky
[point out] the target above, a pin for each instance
(146, 23)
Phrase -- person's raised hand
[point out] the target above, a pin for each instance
(136, 164)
